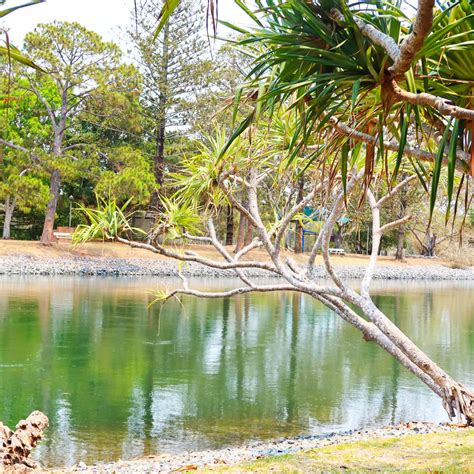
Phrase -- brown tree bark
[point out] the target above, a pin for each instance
(229, 235)
(248, 233)
(242, 231)
(47, 237)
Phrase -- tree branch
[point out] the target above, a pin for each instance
(375, 35)
(159, 249)
(414, 42)
(393, 145)
(394, 190)
(393, 224)
(443, 106)
(13, 146)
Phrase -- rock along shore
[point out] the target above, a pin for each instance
(257, 450)
(108, 266)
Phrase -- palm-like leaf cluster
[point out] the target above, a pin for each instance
(318, 61)
(106, 222)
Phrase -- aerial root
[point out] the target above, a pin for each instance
(458, 401)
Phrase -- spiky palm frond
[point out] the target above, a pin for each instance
(7, 49)
(106, 222)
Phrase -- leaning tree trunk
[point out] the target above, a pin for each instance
(9, 208)
(243, 229)
(248, 233)
(241, 233)
(47, 236)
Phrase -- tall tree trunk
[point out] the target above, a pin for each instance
(229, 235)
(400, 253)
(9, 208)
(159, 159)
(430, 244)
(59, 127)
(337, 234)
(299, 228)
(241, 233)
(47, 237)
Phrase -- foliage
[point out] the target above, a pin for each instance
(330, 72)
(176, 219)
(107, 222)
(128, 176)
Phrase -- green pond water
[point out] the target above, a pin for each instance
(118, 379)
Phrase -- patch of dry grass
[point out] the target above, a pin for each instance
(443, 452)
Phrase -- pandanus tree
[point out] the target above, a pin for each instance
(375, 88)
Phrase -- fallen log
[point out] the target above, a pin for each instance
(16, 446)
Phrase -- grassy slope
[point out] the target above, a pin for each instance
(444, 452)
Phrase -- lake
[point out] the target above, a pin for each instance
(119, 378)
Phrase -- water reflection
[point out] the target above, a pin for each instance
(120, 380)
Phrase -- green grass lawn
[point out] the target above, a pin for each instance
(443, 452)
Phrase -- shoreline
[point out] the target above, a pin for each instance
(258, 450)
(73, 265)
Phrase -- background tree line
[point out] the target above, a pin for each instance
(122, 125)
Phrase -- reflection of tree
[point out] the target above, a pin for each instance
(292, 393)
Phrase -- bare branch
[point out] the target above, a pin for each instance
(13, 146)
(375, 35)
(233, 292)
(285, 222)
(393, 224)
(395, 190)
(443, 106)
(221, 249)
(393, 145)
(326, 231)
(46, 104)
(245, 250)
(159, 249)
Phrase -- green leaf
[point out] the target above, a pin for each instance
(452, 164)
(344, 158)
(404, 122)
(437, 169)
(7, 11)
(168, 8)
(14, 54)
(355, 93)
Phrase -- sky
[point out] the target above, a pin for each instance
(102, 16)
